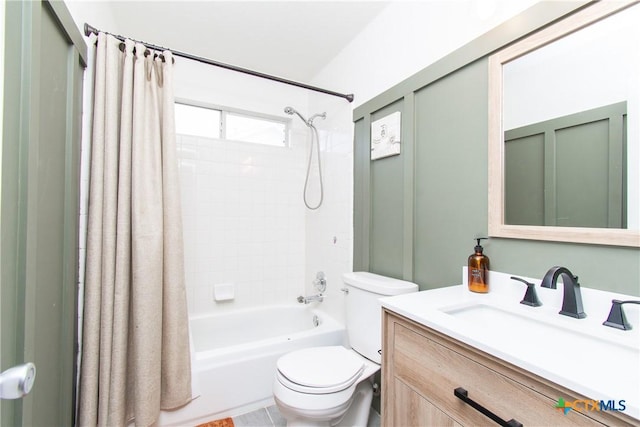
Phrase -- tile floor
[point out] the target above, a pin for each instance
(270, 417)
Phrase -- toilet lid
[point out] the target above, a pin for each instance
(321, 367)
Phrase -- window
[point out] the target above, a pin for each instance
(230, 125)
(197, 121)
(241, 127)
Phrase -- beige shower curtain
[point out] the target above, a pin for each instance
(135, 346)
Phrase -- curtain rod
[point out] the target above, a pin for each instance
(88, 30)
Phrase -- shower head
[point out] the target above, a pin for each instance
(314, 133)
(292, 111)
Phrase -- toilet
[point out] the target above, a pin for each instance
(333, 385)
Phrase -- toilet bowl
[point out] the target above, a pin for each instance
(317, 386)
(333, 385)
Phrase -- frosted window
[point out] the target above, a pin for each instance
(231, 126)
(241, 127)
(197, 121)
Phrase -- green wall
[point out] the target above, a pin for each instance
(416, 214)
(451, 174)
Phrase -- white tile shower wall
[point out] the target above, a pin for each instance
(329, 229)
(243, 222)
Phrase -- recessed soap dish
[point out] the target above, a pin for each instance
(224, 291)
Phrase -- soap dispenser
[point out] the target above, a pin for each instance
(478, 270)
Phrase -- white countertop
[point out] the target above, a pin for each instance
(599, 362)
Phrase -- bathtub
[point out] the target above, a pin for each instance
(234, 357)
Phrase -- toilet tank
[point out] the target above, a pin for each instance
(364, 311)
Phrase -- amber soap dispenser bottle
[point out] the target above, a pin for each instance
(478, 270)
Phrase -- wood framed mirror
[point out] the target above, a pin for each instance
(564, 130)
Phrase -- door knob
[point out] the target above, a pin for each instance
(17, 382)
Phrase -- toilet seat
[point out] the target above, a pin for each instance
(319, 370)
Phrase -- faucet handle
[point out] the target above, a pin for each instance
(320, 282)
(530, 297)
(616, 318)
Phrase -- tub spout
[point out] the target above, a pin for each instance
(307, 300)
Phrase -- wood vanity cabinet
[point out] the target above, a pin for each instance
(421, 368)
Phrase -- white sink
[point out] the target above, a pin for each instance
(491, 316)
(575, 349)
(599, 362)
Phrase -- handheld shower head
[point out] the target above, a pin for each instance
(315, 138)
(292, 111)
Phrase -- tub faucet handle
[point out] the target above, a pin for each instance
(320, 282)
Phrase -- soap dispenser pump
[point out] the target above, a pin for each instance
(478, 270)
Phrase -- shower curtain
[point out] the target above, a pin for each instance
(135, 346)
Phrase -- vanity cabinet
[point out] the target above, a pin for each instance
(421, 368)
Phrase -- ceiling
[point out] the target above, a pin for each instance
(290, 39)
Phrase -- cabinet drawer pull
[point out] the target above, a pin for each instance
(463, 395)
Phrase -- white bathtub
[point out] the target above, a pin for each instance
(234, 357)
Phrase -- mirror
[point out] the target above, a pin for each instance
(564, 134)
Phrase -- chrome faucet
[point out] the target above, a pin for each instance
(572, 299)
(307, 300)
(320, 283)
